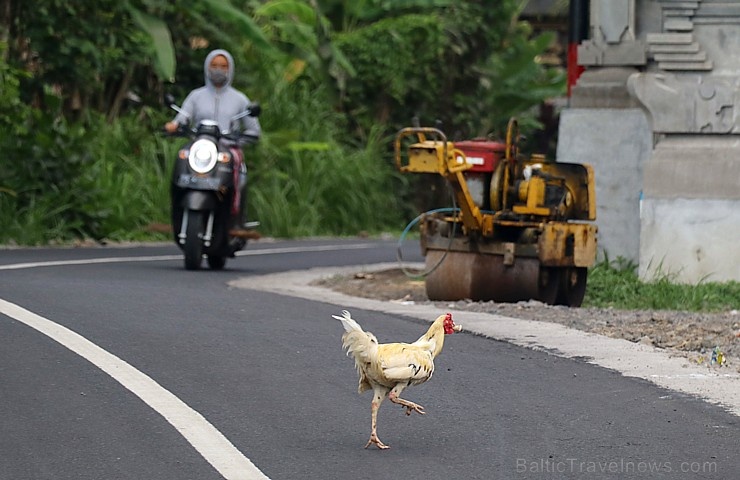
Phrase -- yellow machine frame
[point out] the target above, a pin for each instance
(562, 236)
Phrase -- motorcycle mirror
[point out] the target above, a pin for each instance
(168, 98)
(253, 110)
(179, 110)
(133, 98)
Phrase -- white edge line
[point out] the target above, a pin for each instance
(153, 258)
(204, 437)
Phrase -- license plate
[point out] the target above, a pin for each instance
(202, 183)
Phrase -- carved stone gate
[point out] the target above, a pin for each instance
(657, 112)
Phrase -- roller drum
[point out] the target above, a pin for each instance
(484, 277)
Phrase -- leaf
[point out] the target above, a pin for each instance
(228, 13)
(342, 61)
(309, 146)
(374, 11)
(294, 70)
(161, 42)
(288, 8)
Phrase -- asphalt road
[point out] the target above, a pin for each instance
(167, 374)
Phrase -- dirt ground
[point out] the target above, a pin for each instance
(692, 334)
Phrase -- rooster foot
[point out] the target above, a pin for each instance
(374, 439)
(414, 407)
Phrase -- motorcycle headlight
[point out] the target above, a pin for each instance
(203, 156)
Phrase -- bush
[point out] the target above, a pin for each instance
(44, 194)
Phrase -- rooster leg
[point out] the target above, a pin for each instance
(410, 406)
(378, 397)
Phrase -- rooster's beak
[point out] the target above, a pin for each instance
(457, 328)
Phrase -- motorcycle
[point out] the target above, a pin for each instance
(204, 183)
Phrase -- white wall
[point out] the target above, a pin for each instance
(691, 240)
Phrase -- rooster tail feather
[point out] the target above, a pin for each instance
(361, 345)
(363, 348)
(348, 322)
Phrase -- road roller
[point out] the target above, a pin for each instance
(519, 228)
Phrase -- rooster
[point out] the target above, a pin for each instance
(389, 368)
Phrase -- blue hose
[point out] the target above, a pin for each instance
(412, 223)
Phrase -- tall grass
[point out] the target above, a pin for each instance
(616, 284)
(334, 190)
(306, 179)
(35, 223)
(132, 166)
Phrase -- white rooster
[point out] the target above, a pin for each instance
(389, 368)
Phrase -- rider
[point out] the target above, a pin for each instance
(218, 100)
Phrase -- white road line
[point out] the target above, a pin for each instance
(90, 261)
(155, 258)
(203, 436)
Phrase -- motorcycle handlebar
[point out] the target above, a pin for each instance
(181, 131)
(240, 138)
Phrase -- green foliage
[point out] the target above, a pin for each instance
(399, 68)
(160, 43)
(234, 17)
(46, 157)
(511, 83)
(468, 65)
(134, 176)
(616, 284)
(345, 15)
(333, 192)
(112, 190)
(67, 179)
(318, 185)
(83, 49)
(305, 48)
(13, 111)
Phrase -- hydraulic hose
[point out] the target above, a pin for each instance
(412, 223)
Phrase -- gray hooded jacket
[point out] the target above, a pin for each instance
(220, 104)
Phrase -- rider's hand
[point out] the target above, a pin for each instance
(171, 127)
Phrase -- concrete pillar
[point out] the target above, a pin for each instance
(617, 143)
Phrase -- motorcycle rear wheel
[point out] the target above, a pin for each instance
(193, 240)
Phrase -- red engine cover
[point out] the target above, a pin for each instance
(484, 155)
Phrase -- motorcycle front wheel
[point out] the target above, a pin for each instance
(193, 240)
(216, 262)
